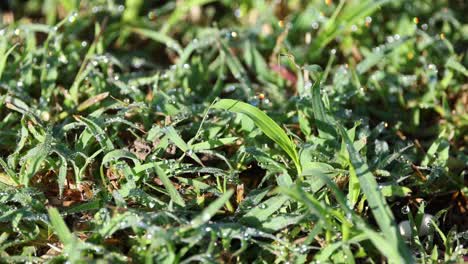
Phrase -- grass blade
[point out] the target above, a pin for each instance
(265, 123)
(173, 193)
(380, 209)
(211, 209)
(322, 120)
(60, 227)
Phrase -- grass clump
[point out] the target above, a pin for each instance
(233, 131)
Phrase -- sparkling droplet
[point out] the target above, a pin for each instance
(237, 13)
(72, 17)
(405, 209)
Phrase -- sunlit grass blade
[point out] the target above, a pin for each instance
(172, 134)
(377, 203)
(211, 210)
(160, 37)
(172, 191)
(4, 54)
(322, 119)
(60, 227)
(265, 123)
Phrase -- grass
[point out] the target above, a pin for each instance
(233, 131)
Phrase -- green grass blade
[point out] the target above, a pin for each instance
(265, 123)
(160, 37)
(211, 209)
(172, 134)
(173, 193)
(4, 54)
(263, 211)
(323, 121)
(380, 209)
(60, 227)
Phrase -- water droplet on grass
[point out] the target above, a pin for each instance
(405, 209)
(237, 13)
(72, 17)
(390, 39)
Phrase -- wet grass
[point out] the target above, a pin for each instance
(233, 131)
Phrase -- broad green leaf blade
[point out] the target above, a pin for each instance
(263, 211)
(60, 227)
(265, 123)
(380, 209)
(173, 193)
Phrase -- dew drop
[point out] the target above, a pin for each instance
(405, 209)
(72, 17)
(390, 39)
(237, 13)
